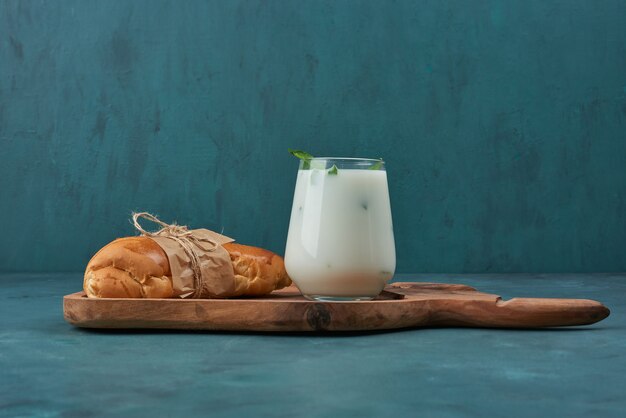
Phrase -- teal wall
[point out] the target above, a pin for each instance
(503, 123)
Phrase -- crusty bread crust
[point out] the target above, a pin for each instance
(137, 267)
(133, 267)
(257, 271)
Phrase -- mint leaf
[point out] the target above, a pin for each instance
(333, 170)
(377, 165)
(304, 156)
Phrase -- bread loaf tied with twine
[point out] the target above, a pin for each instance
(177, 262)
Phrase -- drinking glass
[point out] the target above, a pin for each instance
(340, 245)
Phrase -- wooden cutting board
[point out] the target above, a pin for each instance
(401, 305)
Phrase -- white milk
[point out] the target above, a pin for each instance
(340, 241)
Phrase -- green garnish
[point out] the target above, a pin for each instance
(304, 156)
(333, 170)
(377, 165)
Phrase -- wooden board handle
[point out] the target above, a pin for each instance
(522, 313)
(556, 312)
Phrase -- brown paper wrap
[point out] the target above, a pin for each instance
(201, 267)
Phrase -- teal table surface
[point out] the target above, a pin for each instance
(51, 369)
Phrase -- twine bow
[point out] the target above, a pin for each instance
(184, 237)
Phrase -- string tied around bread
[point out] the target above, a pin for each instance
(184, 237)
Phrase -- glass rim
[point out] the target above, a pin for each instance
(347, 159)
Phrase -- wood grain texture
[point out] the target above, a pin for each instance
(423, 305)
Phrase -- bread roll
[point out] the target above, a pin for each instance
(137, 267)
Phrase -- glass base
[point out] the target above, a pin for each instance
(321, 298)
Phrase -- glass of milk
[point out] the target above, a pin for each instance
(340, 245)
